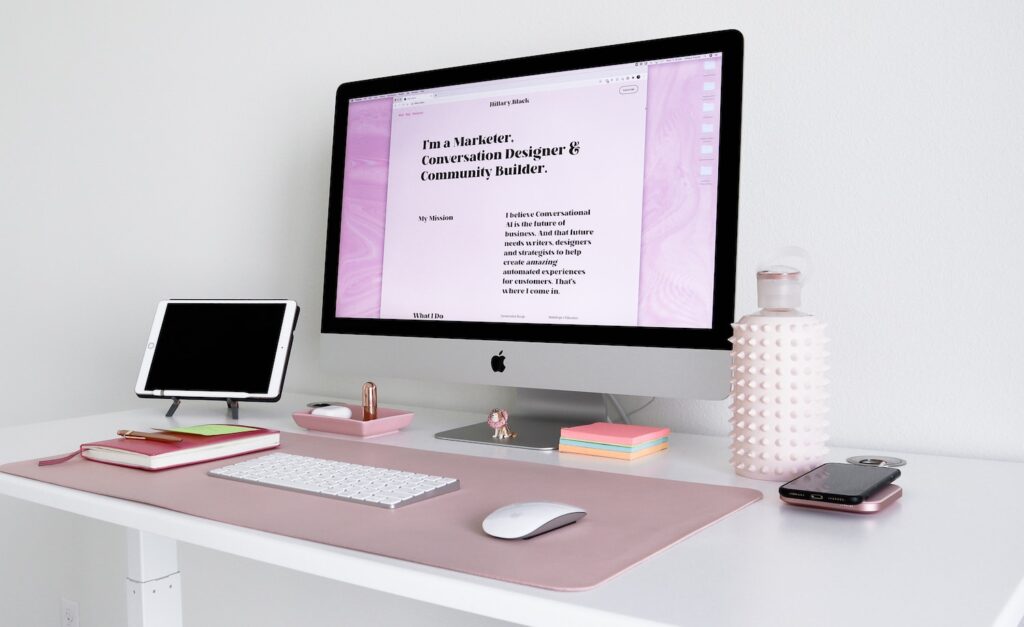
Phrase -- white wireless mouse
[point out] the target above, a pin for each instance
(525, 520)
(334, 411)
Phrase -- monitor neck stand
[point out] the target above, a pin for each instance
(537, 419)
(232, 407)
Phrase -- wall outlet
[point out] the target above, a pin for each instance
(68, 613)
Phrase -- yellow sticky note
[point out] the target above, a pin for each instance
(211, 429)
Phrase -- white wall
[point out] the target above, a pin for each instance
(151, 150)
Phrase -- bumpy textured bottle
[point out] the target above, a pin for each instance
(779, 369)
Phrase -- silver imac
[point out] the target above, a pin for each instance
(564, 224)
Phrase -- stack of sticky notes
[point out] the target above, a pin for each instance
(619, 441)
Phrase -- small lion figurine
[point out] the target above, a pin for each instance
(498, 420)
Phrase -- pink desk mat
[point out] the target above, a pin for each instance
(629, 520)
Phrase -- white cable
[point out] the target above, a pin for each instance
(643, 407)
(618, 406)
(626, 415)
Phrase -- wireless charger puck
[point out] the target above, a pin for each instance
(876, 460)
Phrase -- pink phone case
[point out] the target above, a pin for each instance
(875, 503)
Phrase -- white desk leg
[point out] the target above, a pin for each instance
(154, 582)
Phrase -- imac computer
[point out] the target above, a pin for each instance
(564, 224)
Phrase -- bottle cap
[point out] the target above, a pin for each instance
(778, 287)
(370, 394)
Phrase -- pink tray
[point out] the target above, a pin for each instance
(388, 421)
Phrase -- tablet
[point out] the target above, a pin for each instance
(224, 349)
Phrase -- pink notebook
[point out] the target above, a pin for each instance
(192, 449)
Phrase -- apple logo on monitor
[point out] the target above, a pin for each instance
(498, 362)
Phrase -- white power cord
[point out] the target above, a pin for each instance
(643, 407)
(623, 414)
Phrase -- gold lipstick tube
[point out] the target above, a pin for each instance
(369, 401)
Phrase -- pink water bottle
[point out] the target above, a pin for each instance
(778, 367)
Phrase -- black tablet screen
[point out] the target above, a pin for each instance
(216, 347)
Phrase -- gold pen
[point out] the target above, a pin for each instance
(143, 435)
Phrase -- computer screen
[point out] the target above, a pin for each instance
(578, 197)
(584, 198)
(216, 346)
(224, 349)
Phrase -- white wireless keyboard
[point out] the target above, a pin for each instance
(383, 487)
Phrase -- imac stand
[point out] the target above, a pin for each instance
(537, 418)
(232, 407)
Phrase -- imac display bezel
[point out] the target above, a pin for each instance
(729, 43)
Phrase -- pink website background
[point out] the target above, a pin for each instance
(678, 232)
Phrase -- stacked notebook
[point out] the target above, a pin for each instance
(605, 439)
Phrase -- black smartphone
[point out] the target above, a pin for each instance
(847, 484)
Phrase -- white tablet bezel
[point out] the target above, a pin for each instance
(280, 359)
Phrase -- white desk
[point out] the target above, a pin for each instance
(951, 552)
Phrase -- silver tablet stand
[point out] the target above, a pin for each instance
(232, 407)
